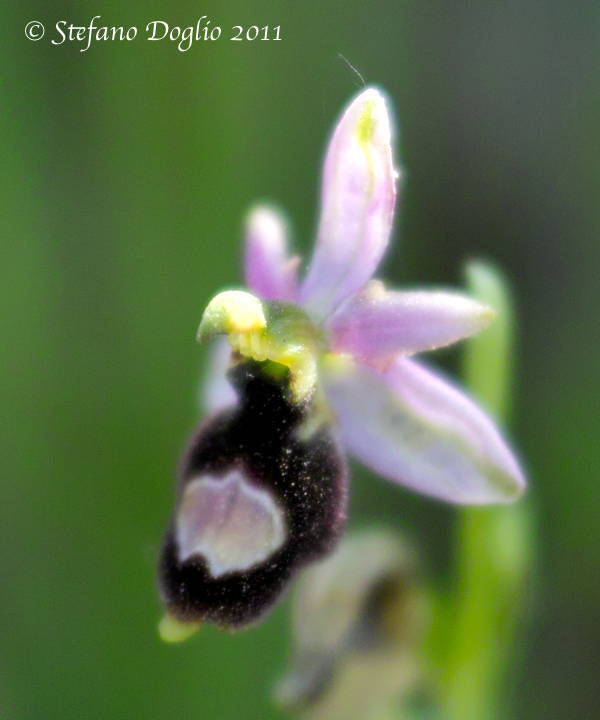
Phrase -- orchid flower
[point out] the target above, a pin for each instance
(310, 370)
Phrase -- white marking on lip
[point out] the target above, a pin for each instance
(229, 522)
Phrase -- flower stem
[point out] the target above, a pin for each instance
(493, 544)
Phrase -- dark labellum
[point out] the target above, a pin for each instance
(257, 499)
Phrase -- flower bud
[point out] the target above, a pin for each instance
(359, 619)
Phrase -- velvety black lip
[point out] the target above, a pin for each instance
(307, 478)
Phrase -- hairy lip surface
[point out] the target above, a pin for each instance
(304, 477)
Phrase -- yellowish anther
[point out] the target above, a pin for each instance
(232, 311)
(171, 630)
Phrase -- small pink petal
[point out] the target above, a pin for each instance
(270, 272)
(357, 205)
(378, 323)
(216, 391)
(414, 427)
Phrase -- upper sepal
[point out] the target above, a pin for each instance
(357, 205)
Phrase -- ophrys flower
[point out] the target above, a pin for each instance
(315, 366)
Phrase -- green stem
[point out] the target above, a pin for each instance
(493, 549)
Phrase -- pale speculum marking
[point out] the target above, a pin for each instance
(230, 523)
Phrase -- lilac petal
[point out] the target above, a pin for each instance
(216, 391)
(379, 323)
(270, 272)
(357, 205)
(414, 427)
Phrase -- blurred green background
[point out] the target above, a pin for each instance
(126, 171)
